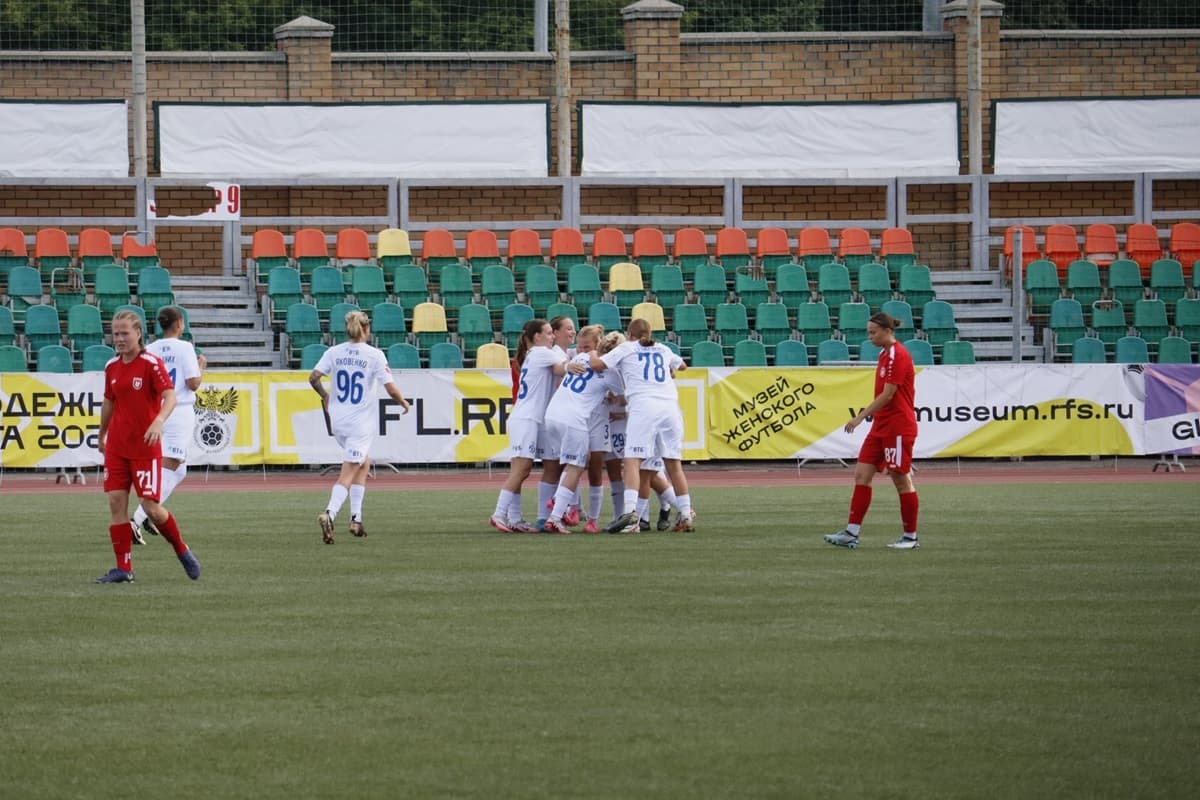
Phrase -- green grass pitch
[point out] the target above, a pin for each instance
(1044, 642)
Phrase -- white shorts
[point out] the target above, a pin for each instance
(524, 438)
(652, 465)
(655, 431)
(598, 435)
(354, 448)
(177, 433)
(573, 443)
(616, 439)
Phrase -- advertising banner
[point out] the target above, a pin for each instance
(1172, 408)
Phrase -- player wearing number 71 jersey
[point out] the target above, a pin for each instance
(355, 369)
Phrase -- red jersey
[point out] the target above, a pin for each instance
(135, 390)
(899, 417)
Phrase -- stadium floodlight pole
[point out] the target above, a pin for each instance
(974, 80)
(541, 26)
(562, 83)
(137, 13)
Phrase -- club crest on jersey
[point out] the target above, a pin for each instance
(137, 383)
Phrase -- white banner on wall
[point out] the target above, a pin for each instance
(1089, 136)
(64, 140)
(411, 140)
(850, 140)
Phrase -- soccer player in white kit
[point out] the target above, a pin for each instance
(355, 369)
(573, 419)
(540, 364)
(655, 424)
(185, 368)
(563, 330)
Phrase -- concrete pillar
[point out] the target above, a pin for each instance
(307, 42)
(957, 22)
(652, 35)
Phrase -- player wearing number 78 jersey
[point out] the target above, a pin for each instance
(355, 368)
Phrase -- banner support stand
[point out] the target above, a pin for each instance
(1169, 464)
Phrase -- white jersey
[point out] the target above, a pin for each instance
(180, 357)
(355, 370)
(646, 371)
(578, 397)
(537, 383)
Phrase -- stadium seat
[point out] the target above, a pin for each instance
(136, 309)
(1166, 280)
(1125, 281)
(1142, 245)
(283, 289)
(1150, 319)
(8, 329)
(833, 284)
(608, 248)
(772, 248)
(95, 357)
(606, 314)
(749, 353)
(409, 285)
(1100, 244)
(689, 248)
(915, 285)
(135, 255)
(921, 352)
(1108, 321)
(429, 325)
(154, 289)
(303, 327)
(1187, 318)
(791, 285)
(524, 251)
(1083, 281)
(42, 327)
(567, 249)
(690, 325)
(95, 248)
(896, 249)
(445, 355)
(832, 350)
(497, 286)
(24, 290)
(13, 251)
(474, 327)
(710, 285)
(492, 356)
(67, 289)
(812, 322)
(388, 325)
(541, 286)
(402, 355)
(958, 353)
(771, 323)
(367, 285)
(1132, 350)
(750, 290)
(336, 324)
(326, 288)
(868, 353)
(1087, 350)
(813, 247)
(1185, 242)
(52, 251)
(455, 288)
(731, 324)
(874, 285)
(482, 249)
(652, 313)
(666, 284)
(854, 247)
(1029, 248)
(84, 327)
(625, 285)
(937, 322)
(706, 353)
(733, 248)
(1042, 285)
(649, 248)
(1066, 321)
(852, 320)
(267, 250)
(901, 311)
(393, 250)
(563, 310)
(12, 359)
(311, 354)
(1174, 350)
(309, 251)
(438, 250)
(111, 288)
(54, 358)
(513, 321)
(352, 246)
(791, 353)
(1062, 245)
(673, 347)
(583, 285)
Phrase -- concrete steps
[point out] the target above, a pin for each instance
(225, 321)
(984, 313)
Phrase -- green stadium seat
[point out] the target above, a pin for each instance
(690, 325)
(1174, 350)
(445, 355)
(791, 353)
(901, 311)
(474, 327)
(541, 286)
(1124, 282)
(1087, 350)
(1083, 282)
(311, 354)
(707, 353)
(388, 325)
(54, 358)
(12, 359)
(1066, 321)
(402, 355)
(42, 327)
(95, 357)
(832, 350)
(84, 327)
(1132, 350)
(958, 352)
(921, 352)
(749, 353)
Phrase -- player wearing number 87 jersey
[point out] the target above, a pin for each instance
(355, 369)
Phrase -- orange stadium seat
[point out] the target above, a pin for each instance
(689, 249)
(1142, 245)
(267, 250)
(733, 248)
(483, 249)
(438, 249)
(566, 248)
(649, 247)
(309, 250)
(51, 251)
(813, 247)
(1062, 246)
(1029, 248)
(352, 245)
(854, 247)
(772, 248)
(1100, 244)
(1185, 243)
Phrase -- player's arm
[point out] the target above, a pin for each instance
(596, 363)
(106, 412)
(314, 380)
(884, 397)
(154, 432)
(395, 394)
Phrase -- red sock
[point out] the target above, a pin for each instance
(170, 532)
(908, 512)
(122, 545)
(860, 501)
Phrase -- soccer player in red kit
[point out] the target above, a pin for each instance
(138, 398)
(889, 443)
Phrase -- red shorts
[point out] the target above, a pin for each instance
(143, 475)
(890, 453)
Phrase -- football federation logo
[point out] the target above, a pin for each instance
(213, 407)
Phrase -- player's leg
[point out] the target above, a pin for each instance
(147, 483)
(567, 484)
(358, 491)
(523, 440)
(870, 457)
(901, 472)
(117, 480)
(596, 461)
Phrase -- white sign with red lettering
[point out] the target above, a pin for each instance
(226, 207)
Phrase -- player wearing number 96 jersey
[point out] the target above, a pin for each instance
(355, 369)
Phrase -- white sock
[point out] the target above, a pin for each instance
(356, 501)
(618, 496)
(667, 498)
(515, 511)
(631, 498)
(336, 498)
(683, 502)
(502, 504)
(643, 508)
(853, 528)
(545, 495)
(576, 498)
(595, 500)
(139, 516)
(562, 499)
